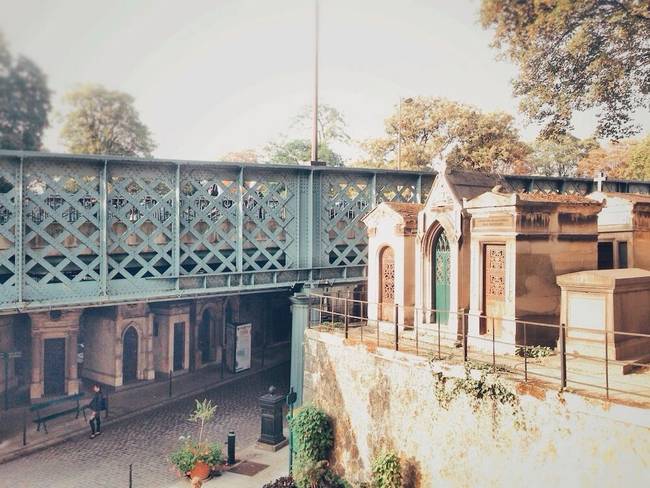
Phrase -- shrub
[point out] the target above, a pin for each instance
(313, 434)
(284, 482)
(316, 474)
(386, 471)
(191, 452)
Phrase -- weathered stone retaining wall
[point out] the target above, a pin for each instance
(383, 399)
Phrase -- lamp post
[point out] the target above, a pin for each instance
(407, 101)
(314, 134)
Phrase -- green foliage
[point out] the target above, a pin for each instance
(192, 452)
(574, 56)
(436, 129)
(309, 473)
(24, 102)
(284, 482)
(386, 471)
(313, 434)
(485, 387)
(298, 151)
(203, 412)
(102, 121)
(560, 156)
(638, 167)
(533, 351)
(331, 124)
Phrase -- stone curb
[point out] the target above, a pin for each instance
(71, 434)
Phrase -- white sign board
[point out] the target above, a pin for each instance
(243, 350)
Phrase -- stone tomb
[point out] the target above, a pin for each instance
(520, 243)
(392, 261)
(615, 301)
(623, 230)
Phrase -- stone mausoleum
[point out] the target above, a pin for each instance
(481, 255)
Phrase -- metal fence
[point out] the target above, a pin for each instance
(534, 351)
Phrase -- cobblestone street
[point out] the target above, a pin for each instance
(145, 441)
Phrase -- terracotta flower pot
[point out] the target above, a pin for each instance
(200, 470)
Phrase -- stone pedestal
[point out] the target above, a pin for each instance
(271, 406)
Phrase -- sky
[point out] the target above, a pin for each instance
(214, 76)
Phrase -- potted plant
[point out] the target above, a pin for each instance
(198, 458)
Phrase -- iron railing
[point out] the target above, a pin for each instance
(578, 359)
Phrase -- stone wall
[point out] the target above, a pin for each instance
(383, 399)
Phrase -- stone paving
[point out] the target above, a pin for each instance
(144, 441)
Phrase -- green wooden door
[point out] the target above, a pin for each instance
(440, 278)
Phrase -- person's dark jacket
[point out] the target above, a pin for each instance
(96, 403)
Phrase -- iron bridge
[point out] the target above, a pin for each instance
(92, 230)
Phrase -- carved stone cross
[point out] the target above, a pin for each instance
(599, 179)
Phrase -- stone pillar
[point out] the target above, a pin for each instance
(149, 370)
(36, 386)
(299, 323)
(72, 379)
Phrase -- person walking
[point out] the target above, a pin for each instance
(95, 407)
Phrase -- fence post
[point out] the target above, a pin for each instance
(438, 324)
(346, 318)
(525, 354)
(170, 382)
(463, 322)
(130, 475)
(24, 427)
(107, 404)
(494, 356)
(396, 328)
(607, 363)
(417, 317)
(562, 357)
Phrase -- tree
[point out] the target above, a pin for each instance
(297, 151)
(576, 55)
(559, 156)
(613, 159)
(243, 156)
(24, 102)
(104, 121)
(638, 167)
(331, 124)
(437, 129)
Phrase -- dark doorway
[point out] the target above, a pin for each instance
(179, 345)
(204, 337)
(54, 367)
(130, 356)
(605, 255)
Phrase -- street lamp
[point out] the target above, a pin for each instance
(407, 101)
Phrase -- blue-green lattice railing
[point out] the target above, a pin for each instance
(80, 230)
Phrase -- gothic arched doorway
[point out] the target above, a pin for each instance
(387, 284)
(205, 328)
(440, 278)
(130, 355)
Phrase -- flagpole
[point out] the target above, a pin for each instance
(314, 134)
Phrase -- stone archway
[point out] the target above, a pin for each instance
(130, 355)
(387, 284)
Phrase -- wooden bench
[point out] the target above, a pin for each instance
(57, 407)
